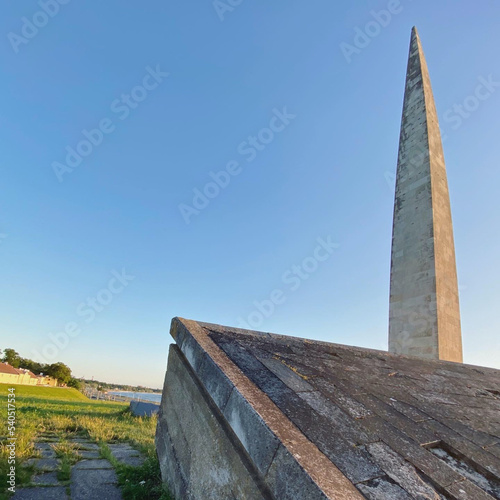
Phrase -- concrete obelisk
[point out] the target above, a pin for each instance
(424, 317)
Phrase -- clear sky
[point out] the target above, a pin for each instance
(103, 243)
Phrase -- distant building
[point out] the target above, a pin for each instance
(8, 374)
(11, 375)
(46, 380)
(26, 377)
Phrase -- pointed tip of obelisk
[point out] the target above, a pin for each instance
(415, 43)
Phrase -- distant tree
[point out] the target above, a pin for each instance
(74, 382)
(12, 357)
(59, 371)
(33, 366)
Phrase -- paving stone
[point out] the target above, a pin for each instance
(45, 464)
(125, 454)
(89, 454)
(46, 478)
(134, 461)
(49, 493)
(94, 484)
(85, 445)
(45, 449)
(96, 491)
(118, 449)
(48, 439)
(93, 464)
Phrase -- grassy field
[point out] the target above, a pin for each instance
(67, 413)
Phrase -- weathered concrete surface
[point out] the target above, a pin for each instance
(89, 454)
(48, 493)
(318, 420)
(424, 317)
(199, 458)
(94, 479)
(142, 409)
(45, 478)
(45, 449)
(44, 464)
(93, 464)
(94, 484)
(224, 413)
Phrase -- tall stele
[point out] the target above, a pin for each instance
(424, 313)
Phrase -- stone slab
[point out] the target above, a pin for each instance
(127, 455)
(89, 454)
(84, 444)
(94, 484)
(133, 461)
(45, 449)
(255, 436)
(46, 493)
(48, 478)
(45, 464)
(119, 450)
(93, 464)
(288, 479)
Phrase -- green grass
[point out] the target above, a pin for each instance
(57, 393)
(67, 452)
(64, 413)
(138, 483)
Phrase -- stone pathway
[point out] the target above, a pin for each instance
(91, 477)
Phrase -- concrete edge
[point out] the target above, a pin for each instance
(197, 347)
(357, 351)
(223, 423)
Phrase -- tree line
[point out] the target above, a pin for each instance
(58, 370)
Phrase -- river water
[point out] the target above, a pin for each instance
(149, 396)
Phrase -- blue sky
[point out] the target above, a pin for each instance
(325, 173)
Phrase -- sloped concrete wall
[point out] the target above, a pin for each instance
(199, 456)
(220, 437)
